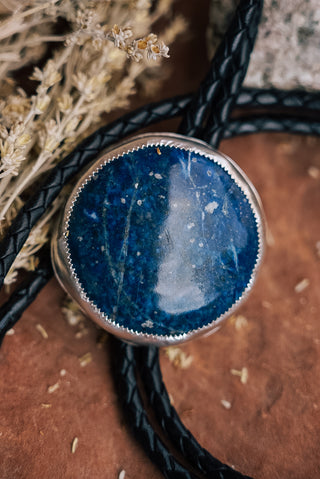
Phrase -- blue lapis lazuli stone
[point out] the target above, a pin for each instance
(162, 240)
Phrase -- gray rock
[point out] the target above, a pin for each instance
(287, 51)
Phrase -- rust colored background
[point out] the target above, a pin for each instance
(266, 426)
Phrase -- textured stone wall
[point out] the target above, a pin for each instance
(287, 50)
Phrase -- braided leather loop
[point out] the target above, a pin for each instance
(221, 86)
(170, 422)
(11, 311)
(124, 367)
(227, 70)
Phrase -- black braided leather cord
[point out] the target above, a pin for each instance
(220, 112)
(22, 297)
(181, 437)
(256, 97)
(124, 366)
(275, 123)
(222, 84)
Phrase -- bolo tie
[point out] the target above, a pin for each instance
(163, 236)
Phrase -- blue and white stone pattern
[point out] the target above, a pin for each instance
(162, 240)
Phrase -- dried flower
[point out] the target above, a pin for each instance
(42, 104)
(122, 38)
(48, 76)
(65, 102)
(86, 76)
(27, 259)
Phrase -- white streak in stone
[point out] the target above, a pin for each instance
(124, 248)
(189, 164)
(225, 206)
(235, 257)
(176, 286)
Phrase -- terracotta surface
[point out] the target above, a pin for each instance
(271, 429)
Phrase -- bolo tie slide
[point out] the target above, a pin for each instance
(160, 240)
(163, 236)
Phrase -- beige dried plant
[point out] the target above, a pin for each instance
(79, 77)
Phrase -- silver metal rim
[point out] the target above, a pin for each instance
(61, 257)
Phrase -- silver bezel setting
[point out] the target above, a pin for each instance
(61, 257)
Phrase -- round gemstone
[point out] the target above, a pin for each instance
(163, 240)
